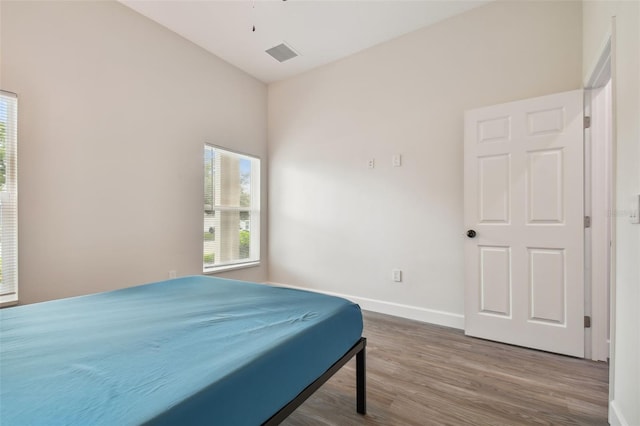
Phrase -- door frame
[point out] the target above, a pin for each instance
(599, 167)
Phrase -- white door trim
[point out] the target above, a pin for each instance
(601, 140)
(598, 190)
(608, 54)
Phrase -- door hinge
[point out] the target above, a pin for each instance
(587, 221)
(587, 322)
(587, 122)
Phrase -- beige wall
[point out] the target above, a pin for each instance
(597, 23)
(338, 226)
(114, 111)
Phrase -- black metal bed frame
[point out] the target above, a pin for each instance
(361, 398)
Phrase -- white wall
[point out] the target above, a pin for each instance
(625, 366)
(114, 111)
(340, 227)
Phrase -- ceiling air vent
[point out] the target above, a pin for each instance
(282, 52)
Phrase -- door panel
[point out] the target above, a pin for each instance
(545, 200)
(546, 122)
(495, 280)
(524, 199)
(547, 285)
(493, 130)
(494, 189)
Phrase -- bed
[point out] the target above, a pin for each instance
(192, 350)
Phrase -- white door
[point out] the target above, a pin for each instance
(523, 190)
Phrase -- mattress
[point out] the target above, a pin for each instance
(193, 350)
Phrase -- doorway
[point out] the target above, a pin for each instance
(505, 294)
(599, 168)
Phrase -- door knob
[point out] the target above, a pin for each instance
(471, 233)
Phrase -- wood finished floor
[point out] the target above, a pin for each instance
(422, 374)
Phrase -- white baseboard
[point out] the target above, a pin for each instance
(615, 416)
(431, 316)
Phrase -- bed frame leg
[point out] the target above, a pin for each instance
(361, 386)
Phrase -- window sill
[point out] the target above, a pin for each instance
(8, 300)
(225, 268)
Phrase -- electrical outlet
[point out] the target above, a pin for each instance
(396, 275)
(372, 163)
(396, 160)
(172, 274)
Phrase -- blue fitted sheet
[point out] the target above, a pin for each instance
(194, 350)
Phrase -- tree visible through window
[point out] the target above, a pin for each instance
(231, 208)
(8, 198)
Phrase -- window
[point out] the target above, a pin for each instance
(8, 198)
(231, 209)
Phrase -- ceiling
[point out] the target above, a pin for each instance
(320, 31)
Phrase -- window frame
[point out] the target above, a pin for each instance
(9, 206)
(253, 209)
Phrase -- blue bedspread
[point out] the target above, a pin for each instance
(194, 350)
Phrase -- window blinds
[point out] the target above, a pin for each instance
(8, 198)
(231, 208)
